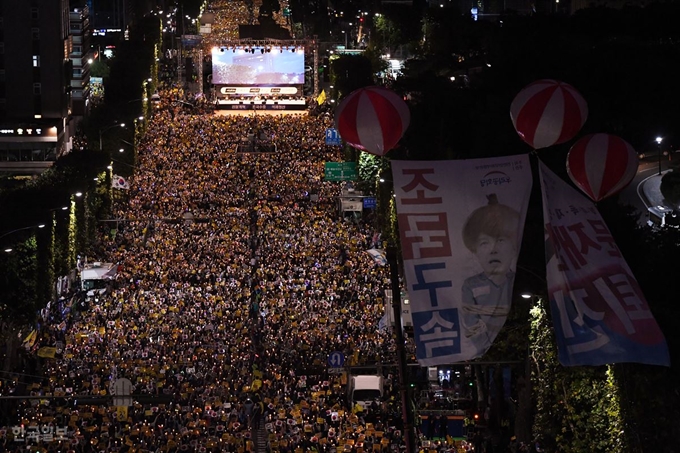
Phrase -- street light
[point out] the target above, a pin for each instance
(658, 142)
(42, 225)
(9, 249)
(101, 132)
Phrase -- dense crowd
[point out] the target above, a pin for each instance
(234, 286)
(229, 14)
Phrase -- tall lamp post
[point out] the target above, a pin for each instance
(9, 249)
(101, 132)
(658, 142)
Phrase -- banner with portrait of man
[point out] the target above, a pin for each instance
(460, 224)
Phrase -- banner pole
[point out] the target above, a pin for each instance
(406, 410)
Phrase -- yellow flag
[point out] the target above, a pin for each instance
(30, 339)
(121, 413)
(47, 352)
(321, 98)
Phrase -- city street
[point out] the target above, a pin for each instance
(643, 193)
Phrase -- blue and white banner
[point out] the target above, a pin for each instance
(378, 256)
(461, 225)
(599, 312)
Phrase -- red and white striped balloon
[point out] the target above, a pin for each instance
(548, 112)
(601, 165)
(372, 119)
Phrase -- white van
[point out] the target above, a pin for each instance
(365, 389)
(94, 277)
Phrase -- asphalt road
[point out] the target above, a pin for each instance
(643, 192)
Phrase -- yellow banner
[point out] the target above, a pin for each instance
(29, 341)
(121, 413)
(47, 352)
(321, 98)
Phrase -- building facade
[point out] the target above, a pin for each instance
(81, 56)
(44, 49)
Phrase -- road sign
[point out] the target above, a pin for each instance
(340, 171)
(370, 203)
(336, 370)
(333, 138)
(336, 359)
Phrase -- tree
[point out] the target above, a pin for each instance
(99, 68)
(670, 188)
(350, 72)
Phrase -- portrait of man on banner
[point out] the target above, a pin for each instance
(490, 234)
(460, 225)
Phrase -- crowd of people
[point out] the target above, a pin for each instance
(229, 14)
(237, 278)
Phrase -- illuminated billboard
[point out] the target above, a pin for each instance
(272, 66)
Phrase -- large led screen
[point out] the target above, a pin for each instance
(274, 66)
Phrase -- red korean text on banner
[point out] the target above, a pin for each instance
(599, 312)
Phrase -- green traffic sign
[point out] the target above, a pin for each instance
(340, 171)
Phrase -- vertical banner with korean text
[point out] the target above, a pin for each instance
(461, 225)
(599, 312)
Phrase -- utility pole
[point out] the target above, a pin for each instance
(315, 46)
(406, 409)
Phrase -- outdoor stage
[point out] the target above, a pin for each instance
(261, 112)
(260, 104)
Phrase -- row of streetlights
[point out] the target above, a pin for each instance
(9, 249)
(39, 226)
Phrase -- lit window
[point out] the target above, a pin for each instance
(37, 88)
(36, 61)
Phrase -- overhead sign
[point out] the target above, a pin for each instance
(332, 136)
(336, 359)
(340, 171)
(122, 391)
(370, 203)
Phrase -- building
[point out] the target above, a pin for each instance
(44, 49)
(112, 15)
(108, 14)
(34, 83)
(81, 56)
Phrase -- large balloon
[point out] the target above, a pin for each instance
(601, 165)
(548, 112)
(372, 119)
